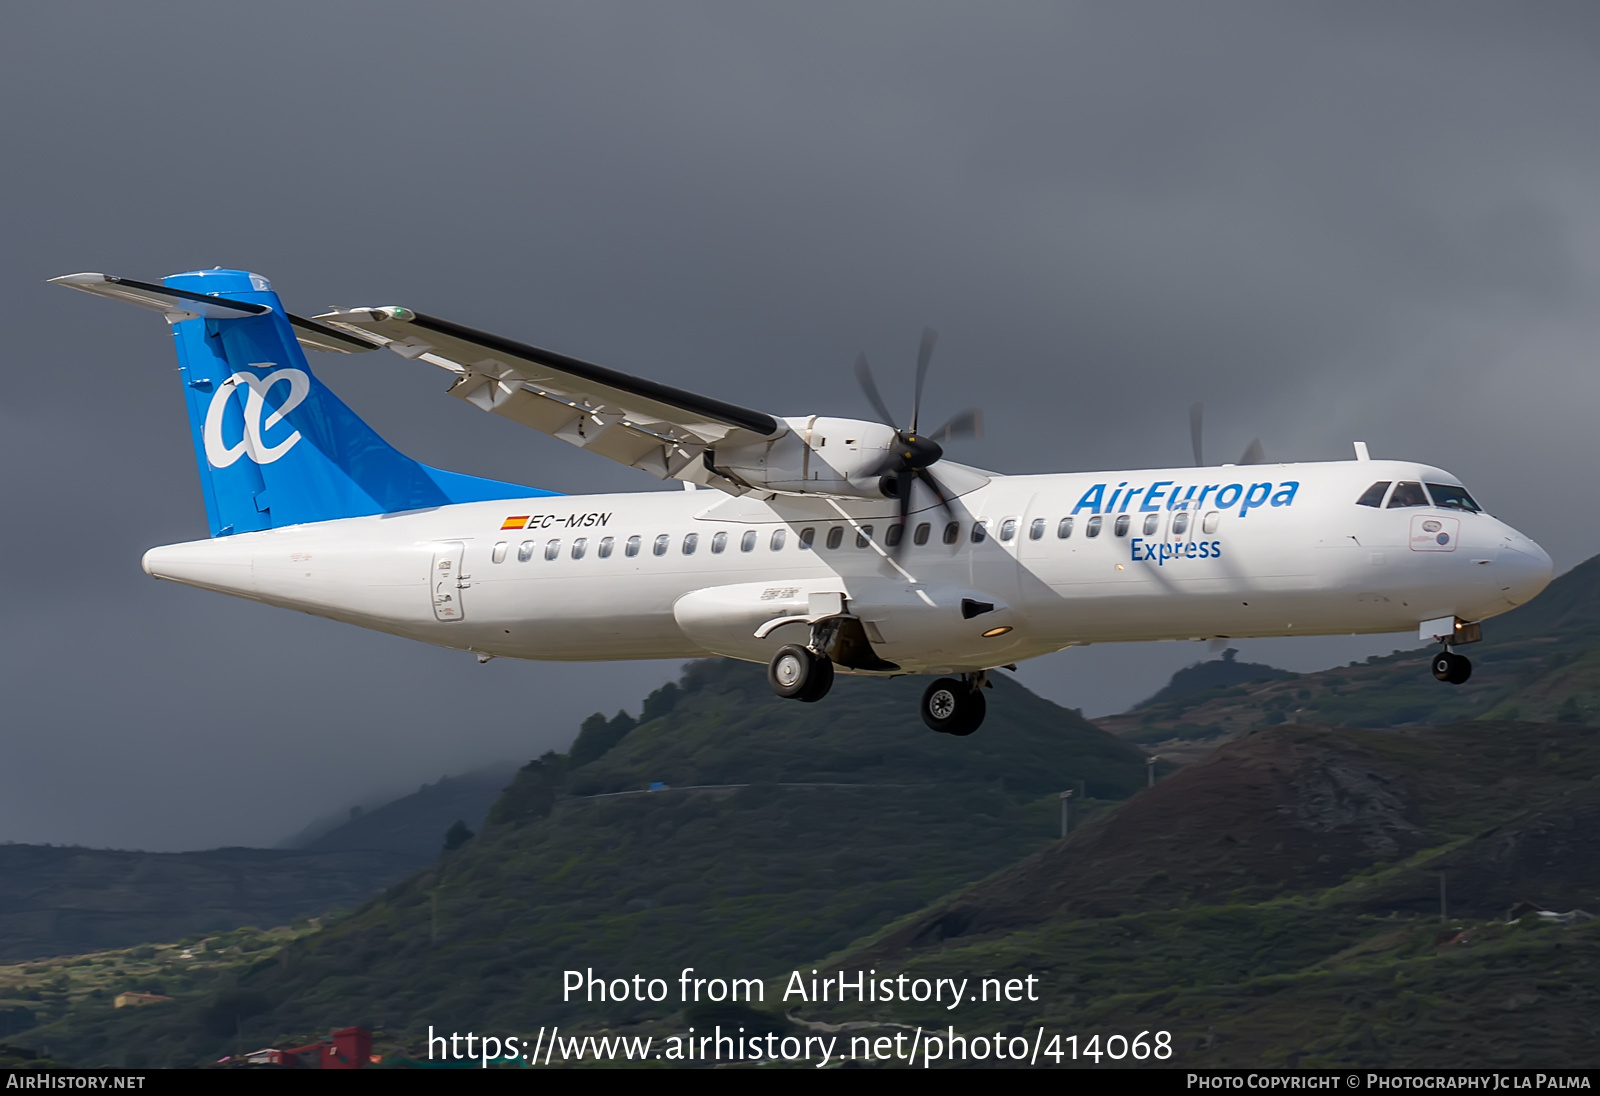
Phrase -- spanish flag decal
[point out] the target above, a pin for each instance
(516, 523)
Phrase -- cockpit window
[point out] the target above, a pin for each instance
(1447, 496)
(1407, 493)
(1373, 496)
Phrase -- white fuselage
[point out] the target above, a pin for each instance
(1271, 561)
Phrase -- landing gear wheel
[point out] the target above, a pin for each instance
(951, 706)
(799, 673)
(1451, 667)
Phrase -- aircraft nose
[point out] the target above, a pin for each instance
(1524, 570)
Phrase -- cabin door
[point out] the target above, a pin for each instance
(448, 581)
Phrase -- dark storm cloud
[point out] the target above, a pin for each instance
(1328, 222)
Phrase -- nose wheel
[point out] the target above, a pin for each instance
(799, 673)
(1451, 667)
(955, 705)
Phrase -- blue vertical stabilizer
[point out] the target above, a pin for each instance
(274, 445)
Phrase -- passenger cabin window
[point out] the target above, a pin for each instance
(580, 546)
(1447, 496)
(1407, 493)
(1064, 529)
(691, 541)
(1373, 496)
(525, 551)
(920, 537)
(836, 536)
(719, 541)
(1180, 523)
(747, 543)
(1120, 527)
(1008, 530)
(952, 532)
(1152, 522)
(1209, 525)
(632, 547)
(1092, 529)
(660, 547)
(980, 530)
(1036, 530)
(499, 553)
(552, 549)
(606, 544)
(863, 536)
(893, 535)
(778, 537)
(807, 538)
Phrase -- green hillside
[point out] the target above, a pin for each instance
(412, 825)
(1539, 662)
(788, 831)
(65, 901)
(1278, 903)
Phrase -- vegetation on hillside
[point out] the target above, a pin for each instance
(1279, 904)
(784, 832)
(1537, 663)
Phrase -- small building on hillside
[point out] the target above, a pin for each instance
(138, 1000)
(347, 1048)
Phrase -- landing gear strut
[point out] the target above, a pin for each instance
(1451, 667)
(955, 705)
(799, 673)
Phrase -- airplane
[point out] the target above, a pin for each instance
(807, 543)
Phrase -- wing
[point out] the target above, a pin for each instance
(653, 427)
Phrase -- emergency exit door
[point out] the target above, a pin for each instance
(449, 582)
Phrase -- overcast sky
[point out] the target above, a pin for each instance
(1329, 222)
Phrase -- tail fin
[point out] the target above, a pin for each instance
(274, 445)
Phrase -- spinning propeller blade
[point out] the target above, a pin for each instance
(924, 356)
(870, 387)
(1253, 453)
(913, 454)
(967, 424)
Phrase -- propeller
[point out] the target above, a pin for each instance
(914, 453)
(1253, 453)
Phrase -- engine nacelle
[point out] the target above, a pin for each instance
(815, 455)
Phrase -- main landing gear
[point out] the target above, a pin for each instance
(955, 705)
(1451, 667)
(950, 705)
(799, 673)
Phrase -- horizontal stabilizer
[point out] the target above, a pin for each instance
(178, 305)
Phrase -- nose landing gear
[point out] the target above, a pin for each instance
(955, 705)
(1451, 667)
